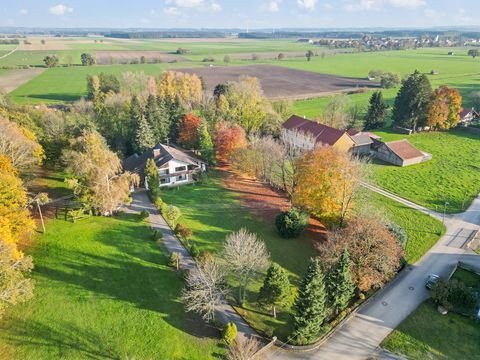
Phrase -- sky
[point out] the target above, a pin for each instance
(243, 14)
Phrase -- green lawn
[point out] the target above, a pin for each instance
(103, 291)
(451, 176)
(467, 277)
(212, 212)
(426, 334)
(423, 231)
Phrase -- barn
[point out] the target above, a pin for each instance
(400, 153)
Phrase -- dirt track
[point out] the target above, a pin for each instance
(282, 83)
(14, 78)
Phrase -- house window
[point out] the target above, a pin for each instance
(165, 181)
(180, 168)
(164, 172)
(181, 177)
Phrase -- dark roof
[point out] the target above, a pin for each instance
(162, 155)
(404, 149)
(467, 111)
(321, 133)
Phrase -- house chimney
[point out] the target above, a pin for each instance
(156, 152)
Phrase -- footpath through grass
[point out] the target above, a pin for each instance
(103, 291)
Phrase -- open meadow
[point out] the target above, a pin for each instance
(103, 291)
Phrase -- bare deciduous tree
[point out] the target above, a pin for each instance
(245, 256)
(244, 349)
(204, 289)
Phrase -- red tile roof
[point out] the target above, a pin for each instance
(321, 133)
(404, 150)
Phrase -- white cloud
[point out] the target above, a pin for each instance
(215, 7)
(307, 4)
(23, 11)
(185, 3)
(377, 5)
(60, 10)
(463, 18)
(172, 11)
(272, 6)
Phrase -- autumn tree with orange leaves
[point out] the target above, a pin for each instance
(189, 131)
(444, 109)
(228, 137)
(375, 253)
(327, 182)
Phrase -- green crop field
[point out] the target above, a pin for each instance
(103, 291)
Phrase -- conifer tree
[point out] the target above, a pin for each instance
(275, 289)
(144, 136)
(206, 145)
(157, 118)
(377, 112)
(309, 306)
(412, 101)
(339, 283)
(151, 171)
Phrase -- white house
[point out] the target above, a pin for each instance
(175, 165)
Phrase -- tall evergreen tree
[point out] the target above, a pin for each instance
(310, 304)
(377, 112)
(144, 138)
(157, 118)
(412, 101)
(339, 283)
(206, 144)
(175, 112)
(275, 289)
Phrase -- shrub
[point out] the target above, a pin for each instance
(172, 214)
(174, 260)
(205, 257)
(454, 295)
(156, 235)
(144, 214)
(291, 223)
(158, 202)
(229, 333)
(163, 209)
(399, 233)
(194, 251)
(183, 231)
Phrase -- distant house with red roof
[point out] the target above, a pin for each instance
(306, 134)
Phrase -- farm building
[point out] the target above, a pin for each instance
(175, 165)
(363, 141)
(306, 134)
(400, 153)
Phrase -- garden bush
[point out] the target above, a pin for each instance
(183, 231)
(229, 333)
(158, 202)
(399, 233)
(144, 214)
(172, 214)
(454, 295)
(291, 223)
(174, 259)
(194, 251)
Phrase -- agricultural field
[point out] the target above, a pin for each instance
(87, 274)
(451, 176)
(213, 210)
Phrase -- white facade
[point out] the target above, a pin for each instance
(178, 171)
(298, 139)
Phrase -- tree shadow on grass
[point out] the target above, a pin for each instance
(71, 339)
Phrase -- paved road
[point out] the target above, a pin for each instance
(224, 312)
(360, 337)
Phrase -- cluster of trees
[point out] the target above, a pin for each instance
(416, 105)
(388, 80)
(19, 153)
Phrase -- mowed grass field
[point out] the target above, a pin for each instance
(213, 212)
(451, 176)
(103, 291)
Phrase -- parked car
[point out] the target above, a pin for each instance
(432, 279)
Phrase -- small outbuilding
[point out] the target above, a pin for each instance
(467, 115)
(400, 153)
